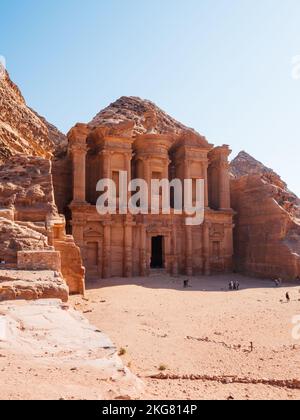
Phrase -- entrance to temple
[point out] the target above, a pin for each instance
(157, 252)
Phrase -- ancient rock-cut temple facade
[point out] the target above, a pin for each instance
(127, 246)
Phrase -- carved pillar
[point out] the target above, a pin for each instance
(107, 250)
(206, 248)
(224, 185)
(229, 249)
(128, 166)
(186, 175)
(166, 169)
(100, 256)
(147, 177)
(167, 254)
(128, 249)
(219, 167)
(129, 173)
(205, 172)
(188, 231)
(143, 250)
(106, 164)
(175, 266)
(189, 250)
(79, 173)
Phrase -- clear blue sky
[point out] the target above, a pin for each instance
(220, 66)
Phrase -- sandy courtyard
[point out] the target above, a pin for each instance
(198, 338)
(205, 330)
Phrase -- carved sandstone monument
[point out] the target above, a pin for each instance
(51, 232)
(149, 145)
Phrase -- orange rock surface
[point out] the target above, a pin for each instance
(29, 218)
(22, 130)
(267, 233)
(47, 192)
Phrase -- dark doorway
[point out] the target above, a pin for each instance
(157, 258)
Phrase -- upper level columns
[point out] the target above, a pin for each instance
(205, 169)
(77, 140)
(220, 176)
(106, 164)
(79, 175)
(224, 185)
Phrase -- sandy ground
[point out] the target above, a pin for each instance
(205, 330)
(50, 351)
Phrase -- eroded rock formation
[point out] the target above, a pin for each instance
(22, 131)
(26, 187)
(267, 233)
(29, 219)
(134, 109)
(30, 285)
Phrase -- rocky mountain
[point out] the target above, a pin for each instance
(267, 233)
(23, 131)
(134, 109)
(245, 164)
(29, 219)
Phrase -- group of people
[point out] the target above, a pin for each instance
(234, 285)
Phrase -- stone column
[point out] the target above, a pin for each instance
(219, 164)
(189, 250)
(143, 251)
(107, 250)
(206, 248)
(106, 164)
(166, 169)
(187, 175)
(128, 249)
(79, 173)
(228, 244)
(100, 256)
(188, 231)
(129, 173)
(205, 169)
(128, 166)
(167, 254)
(175, 265)
(147, 177)
(224, 185)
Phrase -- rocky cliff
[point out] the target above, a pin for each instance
(29, 218)
(267, 233)
(22, 130)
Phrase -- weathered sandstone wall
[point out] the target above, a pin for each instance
(22, 131)
(15, 237)
(32, 285)
(267, 233)
(32, 234)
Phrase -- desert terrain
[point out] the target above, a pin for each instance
(198, 332)
(197, 338)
